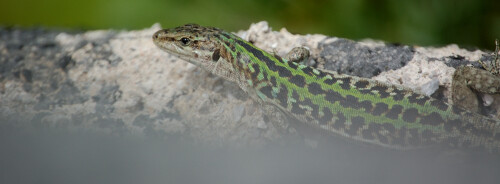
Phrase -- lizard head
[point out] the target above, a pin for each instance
(198, 45)
(190, 42)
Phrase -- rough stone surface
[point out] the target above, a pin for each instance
(118, 82)
(364, 59)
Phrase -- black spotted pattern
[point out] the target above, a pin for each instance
(390, 128)
(398, 95)
(382, 138)
(410, 115)
(330, 81)
(283, 96)
(283, 72)
(293, 65)
(349, 102)
(418, 99)
(327, 116)
(267, 90)
(432, 119)
(333, 96)
(308, 71)
(255, 73)
(380, 108)
(362, 84)
(321, 74)
(279, 59)
(295, 95)
(394, 112)
(315, 88)
(365, 91)
(309, 103)
(296, 109)
(356, 123)
(368, 133)
(298, 80)
(273, 81)
(367, 105)
(264, 74)
(340, 123)
(382, 90)
(346, 83)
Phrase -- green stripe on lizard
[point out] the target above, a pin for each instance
(357, 108)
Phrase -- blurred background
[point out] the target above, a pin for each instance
(470, 23)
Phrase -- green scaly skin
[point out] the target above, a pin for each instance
(357, 108)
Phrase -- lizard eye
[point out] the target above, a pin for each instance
(185, 40)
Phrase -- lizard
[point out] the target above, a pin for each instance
(352, 107)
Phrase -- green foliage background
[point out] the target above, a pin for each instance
(474, 23)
